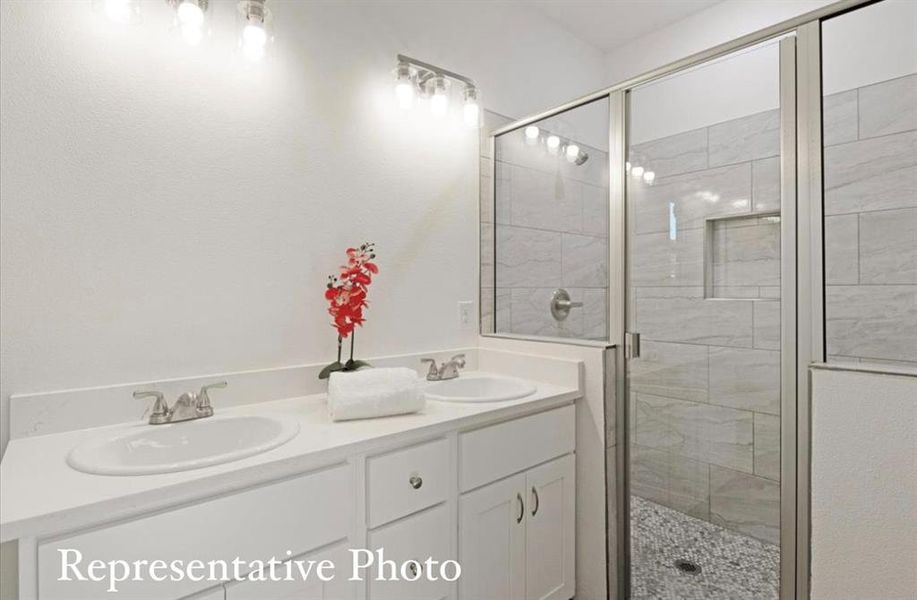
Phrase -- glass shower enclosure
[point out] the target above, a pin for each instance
(725, 222)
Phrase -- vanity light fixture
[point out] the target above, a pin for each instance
(254, 32)
(555, 145)
(190, 18)
(414, 77)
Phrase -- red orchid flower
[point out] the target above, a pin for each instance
(346, 292)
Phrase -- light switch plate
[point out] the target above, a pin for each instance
(466, 315)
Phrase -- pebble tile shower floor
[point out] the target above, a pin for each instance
(732, 566)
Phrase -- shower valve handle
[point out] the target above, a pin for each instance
(561, 304)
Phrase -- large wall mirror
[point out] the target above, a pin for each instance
(544, 238)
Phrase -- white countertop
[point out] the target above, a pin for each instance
(42, 495)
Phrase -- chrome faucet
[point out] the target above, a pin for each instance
(188, 406)
(448, 370)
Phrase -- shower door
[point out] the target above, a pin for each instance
(704, 224)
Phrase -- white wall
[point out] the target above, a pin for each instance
(720, 23)
(729, 88)
(166, 212)
(864, 486)
(873, 44)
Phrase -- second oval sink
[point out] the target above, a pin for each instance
(153, 449)
(479, 388)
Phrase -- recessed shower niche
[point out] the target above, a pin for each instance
(742, 256)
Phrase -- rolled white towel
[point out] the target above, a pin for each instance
(372, 393)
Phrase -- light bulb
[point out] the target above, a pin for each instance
(649, 177)
(190, 17)
(404, 93)
(472, 114)
(122, 11)
(404, 86)
(439, 105)
(572, 152)
(439, 102)
(637, 171)
(190, 14)
(471, 110)
(553, 143)
(627, 166)
(532, 132)
(254, 38)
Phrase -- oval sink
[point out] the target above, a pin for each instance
(479, 388)
(180, 446)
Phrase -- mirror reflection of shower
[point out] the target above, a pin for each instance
(555, 145)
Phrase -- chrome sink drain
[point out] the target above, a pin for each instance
(686, 566)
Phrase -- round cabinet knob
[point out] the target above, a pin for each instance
(416, 481)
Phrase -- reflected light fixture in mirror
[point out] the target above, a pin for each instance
(531, 135)
(572, 152)
(553, 144)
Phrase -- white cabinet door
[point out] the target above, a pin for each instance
(549, 530)
(492, 541)
(297, 586)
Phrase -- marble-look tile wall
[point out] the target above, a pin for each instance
(544, 226)
(871, 223)
(492, 303)
(705, 392)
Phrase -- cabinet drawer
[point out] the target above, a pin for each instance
(405, 481)
(497, 451)
(298, 515)
(422, 536)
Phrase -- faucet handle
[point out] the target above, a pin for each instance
(160, 408)
(459, 360)
(203, 398)
(433, 372)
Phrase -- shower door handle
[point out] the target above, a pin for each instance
(632, 345)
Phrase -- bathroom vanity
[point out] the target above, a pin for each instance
(488, 484)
